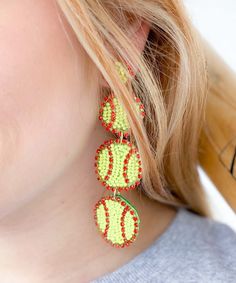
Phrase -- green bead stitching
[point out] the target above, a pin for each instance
(130, 204)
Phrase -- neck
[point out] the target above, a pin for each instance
(54, 238)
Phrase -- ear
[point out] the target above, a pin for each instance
(138, 33)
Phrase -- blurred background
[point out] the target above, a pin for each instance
(216, 21)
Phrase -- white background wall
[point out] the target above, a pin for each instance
(216, 21)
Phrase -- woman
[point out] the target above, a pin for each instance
(57, 64)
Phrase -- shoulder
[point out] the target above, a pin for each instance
(207, 232)
(205, 249)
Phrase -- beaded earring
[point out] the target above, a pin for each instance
(118, 166)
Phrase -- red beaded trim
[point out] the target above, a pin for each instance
(107, 144)
(107, 218)
(130, 70)
(125, 168)
(109, 172)
(122, 221)
(141, 106)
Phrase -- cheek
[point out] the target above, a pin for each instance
(44, 98)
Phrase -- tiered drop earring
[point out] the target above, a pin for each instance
(118, 167)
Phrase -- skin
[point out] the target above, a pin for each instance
(49, 132)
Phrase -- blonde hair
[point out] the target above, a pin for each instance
(170, 82)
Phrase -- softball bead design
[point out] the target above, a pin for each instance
(118, 165)
(113, 116)
(117, 220)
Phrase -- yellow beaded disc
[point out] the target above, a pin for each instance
(113, 116)
(118, 165)
(117, 219)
